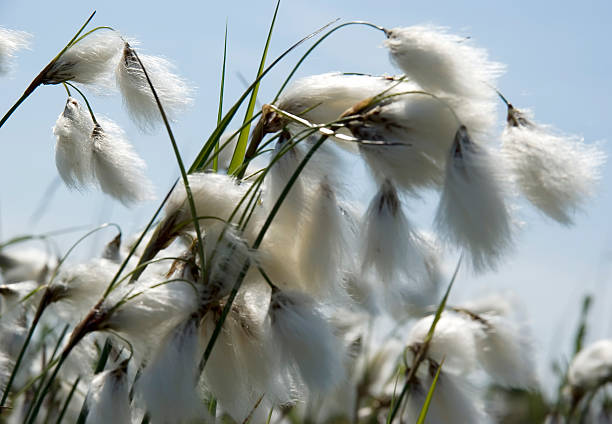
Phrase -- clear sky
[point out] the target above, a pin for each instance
(558, 58)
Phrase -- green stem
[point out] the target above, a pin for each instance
(41, 76)
(68, 399)
(44, 302)
(179, 159)
(38, 402)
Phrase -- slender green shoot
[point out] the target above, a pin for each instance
(214, 137)
(220, 114)
(241, 145)
(422, 349)
(60, 417)
(429, 397)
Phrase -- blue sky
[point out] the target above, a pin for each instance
(558, 60)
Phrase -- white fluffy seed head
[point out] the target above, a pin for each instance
(472, 213)
(173, 92)
(88, 61)
(422, 129)
(10, 42)
(443, 63)
(73, 150)
(78, 287)
(322, 242)
(505, 352)
(144, 311)
(227, 254)
(215, 195)
(592, 366)
(454, 339)
(323, 98)
(108, 399)
(454, 400)
(306, 341)
(555, 173)
(168, 385)
(450, 67)
(25, 264)
(287, 159)
(117, 167)
(389, 244)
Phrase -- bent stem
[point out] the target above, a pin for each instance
(41, 76)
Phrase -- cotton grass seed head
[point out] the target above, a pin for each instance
(88, 61)
(173, 92)
(117, 167)
(73, 149)
(167, 385)
(108, 399)
(556, 173)
(472, 213)
(592, 366)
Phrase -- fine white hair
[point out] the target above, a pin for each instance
(173, 92)
(556, 173)
(117, 167)
(10, 42)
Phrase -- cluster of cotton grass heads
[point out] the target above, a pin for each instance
(263, 293)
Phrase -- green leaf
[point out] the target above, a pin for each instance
(241, 145)
(430, 393)
(220, 114)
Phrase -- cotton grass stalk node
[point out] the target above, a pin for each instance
(555, 172)
(173, 92)
(11, 41)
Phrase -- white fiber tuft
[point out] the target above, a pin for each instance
(323, 98)
(306, 340)
(117, 167)
(88, 61)
(454, 400)
(168, 384)
(505, 352)
(454, 339)
(452, 68)
(472, 213)
(421, 129)
(173, 92)
(108, 398)
(592, 366)
(10, 42)
(555, 173)
(214, 195)
(73, 150)
(389, 242)
(322, 242)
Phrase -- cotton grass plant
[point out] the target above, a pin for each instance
(259, 290)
